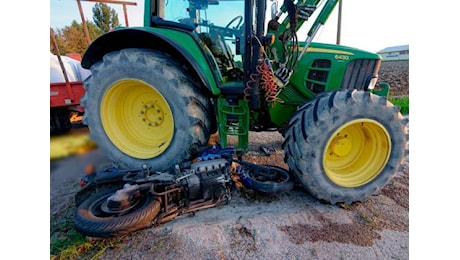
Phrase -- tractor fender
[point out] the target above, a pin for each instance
(138, 37)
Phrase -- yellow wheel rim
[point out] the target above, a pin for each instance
(357, 152)
(137, 118)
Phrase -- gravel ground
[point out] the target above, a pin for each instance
(290, 225)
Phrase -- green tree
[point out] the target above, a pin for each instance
(105, 17)
(71, 39)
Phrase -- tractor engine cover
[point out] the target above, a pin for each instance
(210, 180)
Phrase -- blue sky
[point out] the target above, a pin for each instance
(369, 25)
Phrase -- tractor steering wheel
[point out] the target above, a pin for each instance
(239, 18)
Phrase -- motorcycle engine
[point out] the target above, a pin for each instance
(209, 180)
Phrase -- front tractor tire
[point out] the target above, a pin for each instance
(344, 146)
(143, 108)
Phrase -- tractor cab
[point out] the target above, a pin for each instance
(219, 25)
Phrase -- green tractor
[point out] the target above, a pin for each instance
(202, 67)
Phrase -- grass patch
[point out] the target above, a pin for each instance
(402, 102)
(86, 249)
(67, 243)
(65, 145)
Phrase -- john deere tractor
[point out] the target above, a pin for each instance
(201, 67)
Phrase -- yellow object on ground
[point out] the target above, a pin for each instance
(67, 145)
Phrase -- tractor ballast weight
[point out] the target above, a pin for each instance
(199, 67)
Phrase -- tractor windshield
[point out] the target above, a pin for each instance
(218, 24)
(225, 14)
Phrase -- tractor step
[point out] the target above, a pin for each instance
(233, 113)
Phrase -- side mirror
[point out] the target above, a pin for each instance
(274, 9)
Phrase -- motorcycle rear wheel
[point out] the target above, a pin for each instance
(90, 220)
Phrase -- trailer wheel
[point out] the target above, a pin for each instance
(142, 107)
(59, 121)
(344, 146)
(91, 220)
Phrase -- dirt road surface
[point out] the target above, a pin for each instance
(291, 225)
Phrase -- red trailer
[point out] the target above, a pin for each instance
(66, 89)
(65, 108)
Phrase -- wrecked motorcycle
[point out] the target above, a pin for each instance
(115, 202)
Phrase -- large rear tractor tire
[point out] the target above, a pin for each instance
(142, 107)
(344, 146)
